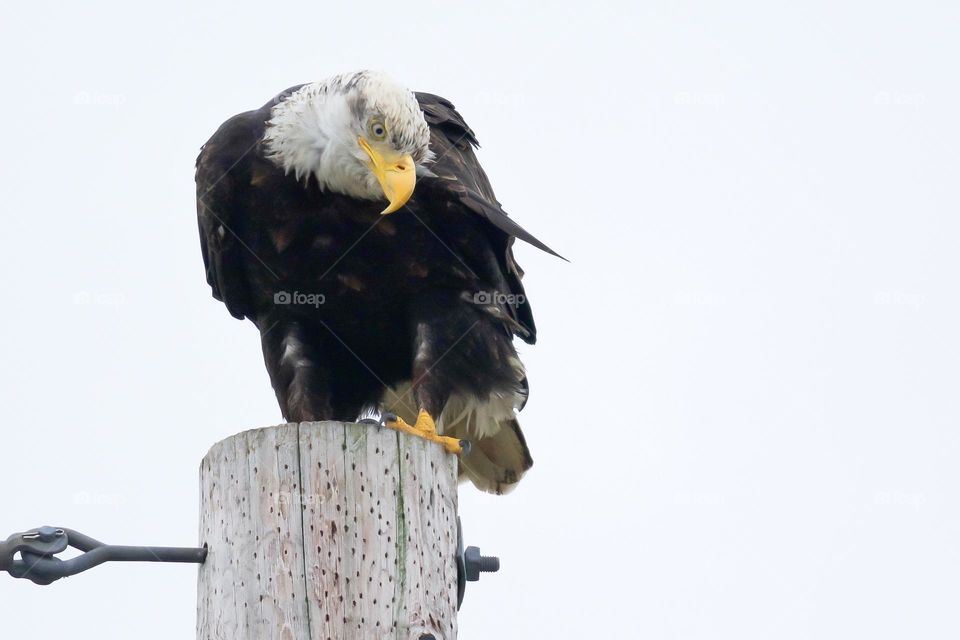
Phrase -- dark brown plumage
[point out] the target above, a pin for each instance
(427, 298)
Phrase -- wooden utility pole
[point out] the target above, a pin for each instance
(328, 531)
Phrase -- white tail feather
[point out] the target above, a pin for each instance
(499, 455)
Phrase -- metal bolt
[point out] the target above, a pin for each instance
(475, 564)
(470, 564)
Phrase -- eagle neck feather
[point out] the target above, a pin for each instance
(313, 132)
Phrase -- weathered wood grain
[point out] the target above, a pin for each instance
(327, 531)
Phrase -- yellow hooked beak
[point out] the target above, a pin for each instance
(395, 173)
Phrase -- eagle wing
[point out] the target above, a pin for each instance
(219, 176)
(459, 178)
(224, 173)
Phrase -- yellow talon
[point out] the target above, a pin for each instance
(424, 428)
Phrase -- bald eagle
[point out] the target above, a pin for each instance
(407, 311)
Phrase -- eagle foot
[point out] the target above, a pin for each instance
(425, 428)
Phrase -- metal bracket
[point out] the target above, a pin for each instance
(470, 564)
(38, 548)
(38, 562)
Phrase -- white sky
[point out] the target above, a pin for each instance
(744, 412)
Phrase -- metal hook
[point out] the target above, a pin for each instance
(38, 548)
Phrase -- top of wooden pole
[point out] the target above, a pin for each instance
(328, 530)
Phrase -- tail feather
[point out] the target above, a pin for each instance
(497, 463)
(498, 457)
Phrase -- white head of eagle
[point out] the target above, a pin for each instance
(359, 134)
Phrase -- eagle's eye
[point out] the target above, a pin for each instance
(377, 130)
